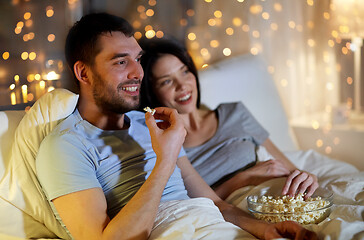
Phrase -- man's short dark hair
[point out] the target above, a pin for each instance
(82, 38)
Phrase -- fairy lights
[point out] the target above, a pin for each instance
(210, 36)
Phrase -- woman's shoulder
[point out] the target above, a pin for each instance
(230, 107)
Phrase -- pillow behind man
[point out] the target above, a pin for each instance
(21, 195)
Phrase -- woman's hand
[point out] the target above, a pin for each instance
(266, 170)
(300, 182)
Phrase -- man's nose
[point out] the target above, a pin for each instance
(136, 71)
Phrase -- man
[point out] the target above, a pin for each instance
(104, 175)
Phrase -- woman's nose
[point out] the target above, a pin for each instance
(180, 84)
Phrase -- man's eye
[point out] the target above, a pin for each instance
(121, 62)
(138, 59)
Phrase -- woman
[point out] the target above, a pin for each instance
(221, 144)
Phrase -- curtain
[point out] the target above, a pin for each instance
(293, 36)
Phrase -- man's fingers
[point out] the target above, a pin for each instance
(150, 121)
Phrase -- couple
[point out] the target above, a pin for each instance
(105, 169)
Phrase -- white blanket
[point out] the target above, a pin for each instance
(196, 218)
(24, 212)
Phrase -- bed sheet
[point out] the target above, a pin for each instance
(199, 219)
(182, 220)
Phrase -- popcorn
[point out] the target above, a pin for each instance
(148, 109)
(283, 208)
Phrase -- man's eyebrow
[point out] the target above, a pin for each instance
(120, 55)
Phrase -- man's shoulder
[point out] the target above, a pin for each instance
(136, 114)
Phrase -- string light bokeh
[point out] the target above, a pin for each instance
(306, 55)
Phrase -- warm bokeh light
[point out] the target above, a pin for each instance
(138, 35)
(190, 12)
(191, 36)
(237, 21)
(49, 11)
(140, 8)
(150, 33)
(30, 97)
(6, 55)
(51, 37)
(152, 3)
(13, 98)
(149, 12)
(211, 22)
(24, 56)
(37, 76)
(20, 24)
(24, 91)
(255, 9)
(214, 43)
(265, 15)
(29, 23)
(226, 51)
(159, 34)
(17, 30)
(218, 14)
(229, 31)
(27, 15)
(315, 124)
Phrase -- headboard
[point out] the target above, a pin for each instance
(245, 78)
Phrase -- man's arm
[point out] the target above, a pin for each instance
(197, 187)
(85, 212)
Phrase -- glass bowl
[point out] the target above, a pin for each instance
(267, 204)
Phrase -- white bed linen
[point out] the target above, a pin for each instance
(345, 222)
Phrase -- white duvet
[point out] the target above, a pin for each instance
(192, 219)
(24, 212)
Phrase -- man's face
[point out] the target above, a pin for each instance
(117, 73)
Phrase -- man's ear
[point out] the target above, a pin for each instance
(81, 72)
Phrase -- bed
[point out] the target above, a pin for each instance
(25, 213)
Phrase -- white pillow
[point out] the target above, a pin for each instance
(24, 209)
(245, 78)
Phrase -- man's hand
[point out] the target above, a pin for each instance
(288, 229)
(300, 182)
(167, 135)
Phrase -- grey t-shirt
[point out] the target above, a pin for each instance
(233, 146)
(77, 155)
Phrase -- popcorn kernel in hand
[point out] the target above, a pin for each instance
(148, 109)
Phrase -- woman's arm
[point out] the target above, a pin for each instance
(255, 175)
(197, 187)
(298, 181)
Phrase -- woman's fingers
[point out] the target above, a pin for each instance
(300, 182)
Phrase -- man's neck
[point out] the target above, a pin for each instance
(106, 121)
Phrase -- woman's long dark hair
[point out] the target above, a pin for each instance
(153, 50)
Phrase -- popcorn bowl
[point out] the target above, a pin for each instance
(268, 204)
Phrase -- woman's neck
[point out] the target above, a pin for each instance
(201, 125)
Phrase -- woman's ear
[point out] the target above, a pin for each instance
(81, 72)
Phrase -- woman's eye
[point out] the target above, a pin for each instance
(165, 82)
